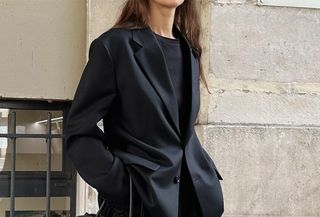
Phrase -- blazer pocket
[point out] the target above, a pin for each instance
(218, 174)
(207, 156)
(129, 158)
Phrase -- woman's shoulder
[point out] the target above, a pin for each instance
(115, 34)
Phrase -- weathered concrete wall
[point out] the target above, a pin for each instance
(42, 48)
(261, 123)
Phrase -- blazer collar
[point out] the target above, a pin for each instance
(152, 61)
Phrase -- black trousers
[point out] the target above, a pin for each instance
(188, 201)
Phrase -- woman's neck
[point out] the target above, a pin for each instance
(161, 19)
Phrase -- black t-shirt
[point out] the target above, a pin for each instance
(175, 59)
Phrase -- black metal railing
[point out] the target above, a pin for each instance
(62, 182)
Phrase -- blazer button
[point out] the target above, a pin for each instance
(177, 179)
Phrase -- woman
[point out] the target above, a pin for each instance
(142, 79)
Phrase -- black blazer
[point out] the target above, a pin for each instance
(126, 83)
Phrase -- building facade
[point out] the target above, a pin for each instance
(260, 124)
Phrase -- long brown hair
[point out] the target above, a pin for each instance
(134, 14)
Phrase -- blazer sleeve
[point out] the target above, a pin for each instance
(85, 141)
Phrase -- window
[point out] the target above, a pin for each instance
(36, 178)
(291, 3)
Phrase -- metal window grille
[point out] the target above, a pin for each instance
(62, 182)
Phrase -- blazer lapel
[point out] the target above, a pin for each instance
(192, 70)
(152, 60)
(194, 95)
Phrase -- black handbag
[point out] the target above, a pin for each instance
(107, 210)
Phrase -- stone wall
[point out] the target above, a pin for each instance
(261, 122)
(42, 48)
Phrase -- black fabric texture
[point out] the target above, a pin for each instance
(175, 58)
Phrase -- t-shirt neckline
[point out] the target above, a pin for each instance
(166, 39)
